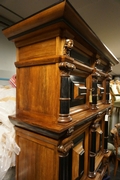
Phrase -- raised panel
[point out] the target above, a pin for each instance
(39, 97)
(78, 161)
(77, 90)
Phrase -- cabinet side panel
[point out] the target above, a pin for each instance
(37, 50)
(39, 91)
(36, 160)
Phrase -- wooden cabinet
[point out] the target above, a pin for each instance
(62, 100)
(78, 154)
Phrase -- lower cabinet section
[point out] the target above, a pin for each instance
(79, 156)
(45, 158)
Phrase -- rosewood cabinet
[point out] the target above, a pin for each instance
(62, 101)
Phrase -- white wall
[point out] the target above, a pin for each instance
(7, 57)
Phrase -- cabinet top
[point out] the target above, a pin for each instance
(63, 15)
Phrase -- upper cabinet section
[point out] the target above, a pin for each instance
(63, 63)
(61, 16)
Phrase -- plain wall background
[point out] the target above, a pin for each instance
(7, 57)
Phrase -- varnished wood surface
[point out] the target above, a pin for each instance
(34, 61)
(44, 80)
(37, 157)
(62, 10)
(79, 119)
(39, 152)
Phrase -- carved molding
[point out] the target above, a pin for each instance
(63, 118)
(66, 66)
(64, 149)
(70, 131)
(68, 46)
(98, 61)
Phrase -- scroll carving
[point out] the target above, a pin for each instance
(65, 148)
(67, 66)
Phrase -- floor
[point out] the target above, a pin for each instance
(112, 177)
(10, 175)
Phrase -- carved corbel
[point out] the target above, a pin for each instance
(109, 68)
(66, 67)
(98, 61)
(68, 46)
(64, 149)
(64, 163)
